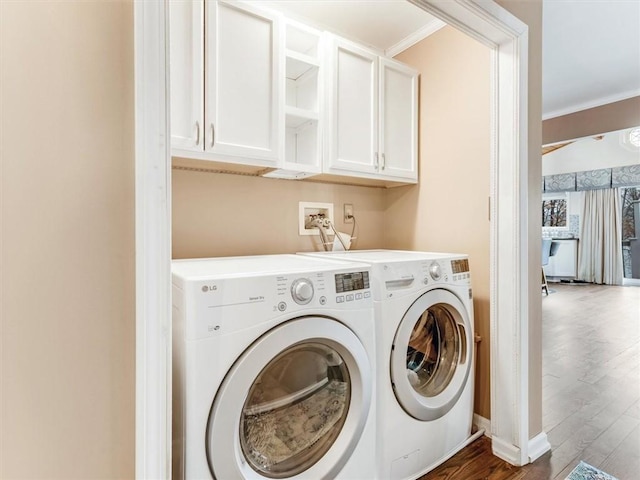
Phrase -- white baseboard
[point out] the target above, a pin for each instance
(506, 451)
(482, 424)
(538, 446)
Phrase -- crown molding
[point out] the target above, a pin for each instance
(429, 29)
(598, 102)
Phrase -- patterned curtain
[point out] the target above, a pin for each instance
(593, 179)
(626, 176)
(562, 182)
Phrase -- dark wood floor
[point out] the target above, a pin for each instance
(476, 462)
(591, 390)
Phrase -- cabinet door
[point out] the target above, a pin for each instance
(243, 111)
(352, 109)
(186, 69)
(398, 120)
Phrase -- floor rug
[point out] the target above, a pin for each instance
(584, 471)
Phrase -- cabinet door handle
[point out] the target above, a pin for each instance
(375, 160)
(213, 136)
(384, 163)
(197, 133)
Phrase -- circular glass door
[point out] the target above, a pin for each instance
(433, 351)
(295, 410)
(430, 359)
(296, 401)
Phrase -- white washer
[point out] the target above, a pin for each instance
(425, 357)
(273, 360)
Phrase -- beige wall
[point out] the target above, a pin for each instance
(593, 121)
(219, 214)
(67, 253)
(530, 12)
(448, 210)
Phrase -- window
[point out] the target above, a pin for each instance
(630, 206)
(630, 197)
(554, 210)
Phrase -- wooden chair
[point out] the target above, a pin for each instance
(546, 250)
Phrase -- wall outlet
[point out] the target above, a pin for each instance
(348, 213)
(307, 211)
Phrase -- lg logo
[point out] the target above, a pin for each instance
(209, 288)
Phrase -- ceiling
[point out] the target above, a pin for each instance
(591, 54)
(591, 48)
(389, 26)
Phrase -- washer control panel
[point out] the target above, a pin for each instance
(348, 282)
(346, 289)
(225, 305)
(351, 287)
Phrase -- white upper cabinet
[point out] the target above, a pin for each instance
(226, 68)
(398, 120)
(279, 98)
(243, 71)
(186, 46)
(352, 110)
(372, 113)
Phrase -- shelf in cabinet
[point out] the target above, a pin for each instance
(297, 117)
(298, 64)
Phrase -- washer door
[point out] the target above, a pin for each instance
(431, 355)
(296, 401)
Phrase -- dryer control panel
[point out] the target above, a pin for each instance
(446, 271)
(395, 279)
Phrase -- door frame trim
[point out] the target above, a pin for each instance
(508, 39)
(483, 20)
(153, 241)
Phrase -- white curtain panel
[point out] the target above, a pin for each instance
(600, 252)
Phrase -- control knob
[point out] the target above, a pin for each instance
(435, 271)
(302, 291)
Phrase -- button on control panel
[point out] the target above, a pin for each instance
(461, 276)
(351, 297)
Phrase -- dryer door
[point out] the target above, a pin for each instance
(293, 405)
(431, 355)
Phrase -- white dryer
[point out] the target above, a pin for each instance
(425, 334)
(273, 360)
